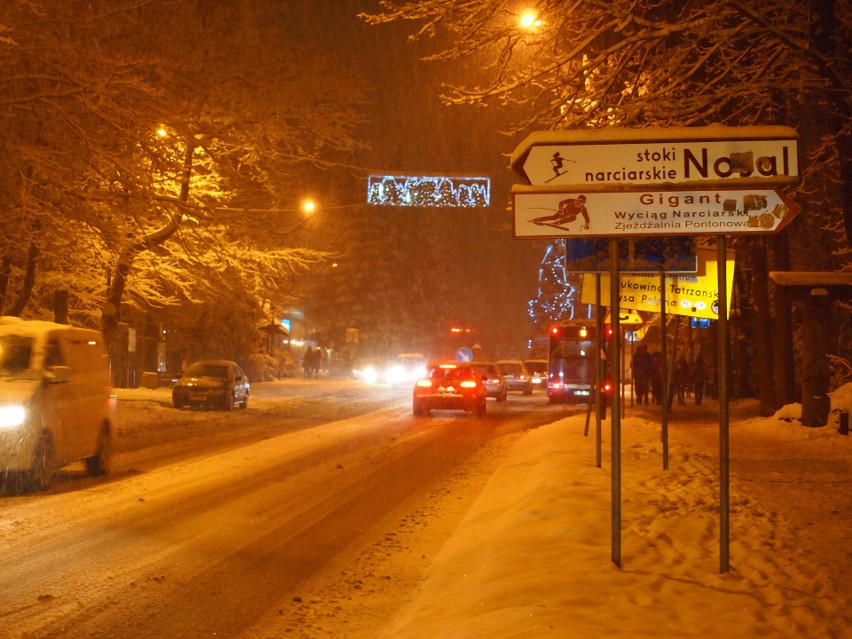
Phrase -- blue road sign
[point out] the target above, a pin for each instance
(648, 255)
(464, 355)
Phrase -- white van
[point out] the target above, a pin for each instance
(56, 401)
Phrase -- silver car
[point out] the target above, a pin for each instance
(495, 385)
(516, 375)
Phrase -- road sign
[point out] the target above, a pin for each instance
(464, 355)
(559, 213)
(695, 295)
(684, 155)
(674, 253)
(628, 316)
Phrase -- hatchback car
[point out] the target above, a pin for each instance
(516, 375)
(449, 386)
(494, 382)
(217, 383)
(537, 368)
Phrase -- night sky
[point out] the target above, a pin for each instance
(410, 132)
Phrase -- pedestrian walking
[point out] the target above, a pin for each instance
(641, 364)
(308, 363)
(699, 379)
(681, 380)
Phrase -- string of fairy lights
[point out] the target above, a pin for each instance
(554, 299)
(429, 191)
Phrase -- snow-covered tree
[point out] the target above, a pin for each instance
(145, 138)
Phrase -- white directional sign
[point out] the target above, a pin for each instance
(682, 155)
(561, 213)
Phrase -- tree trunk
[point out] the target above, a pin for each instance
(815, 371)
(111, 312)
(782, 329)
(60, 307)
(5, 274)
(763, 323)
(826, 34)
(26, 291)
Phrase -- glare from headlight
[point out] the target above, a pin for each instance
(12, 416)
(370, 375)
(395, 375)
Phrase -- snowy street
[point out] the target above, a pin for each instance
(214, 521)
(383, 525)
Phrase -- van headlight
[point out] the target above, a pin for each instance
(12, 416)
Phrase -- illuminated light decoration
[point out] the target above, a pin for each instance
(436, 192)
(555, 299)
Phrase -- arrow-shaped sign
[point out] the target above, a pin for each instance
(557, 213)
(765, 156)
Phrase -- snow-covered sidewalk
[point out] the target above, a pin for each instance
(532, 557)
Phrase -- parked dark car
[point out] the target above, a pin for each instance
(449, 386)
(217, 383)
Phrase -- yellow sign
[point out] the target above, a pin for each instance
(690, 295)
(626, 316)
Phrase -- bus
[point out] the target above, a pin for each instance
(572, 346)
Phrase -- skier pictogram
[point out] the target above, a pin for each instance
(558, 163)
(567, 212)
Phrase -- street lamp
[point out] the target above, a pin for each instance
(529, 19)
(308, 206)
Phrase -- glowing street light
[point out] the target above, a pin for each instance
(529, 19)
(308, 206)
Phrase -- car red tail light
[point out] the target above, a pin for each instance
(468, 383)
(424, 383)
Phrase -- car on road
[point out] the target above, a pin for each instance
(56, 400)
(406, 369)
(537, 369)
(449, 386)
(516, 375)
(368, 370)
(494, 382)
(216, 383)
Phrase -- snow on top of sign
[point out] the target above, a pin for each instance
(811, 278)
(657, 134)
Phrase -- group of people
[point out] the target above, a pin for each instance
(312, 362)
(648, 378)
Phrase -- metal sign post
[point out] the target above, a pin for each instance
(663, 370)
(724, 512)
(599, 368)
(615, 425)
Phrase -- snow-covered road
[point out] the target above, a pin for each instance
(215, 543)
